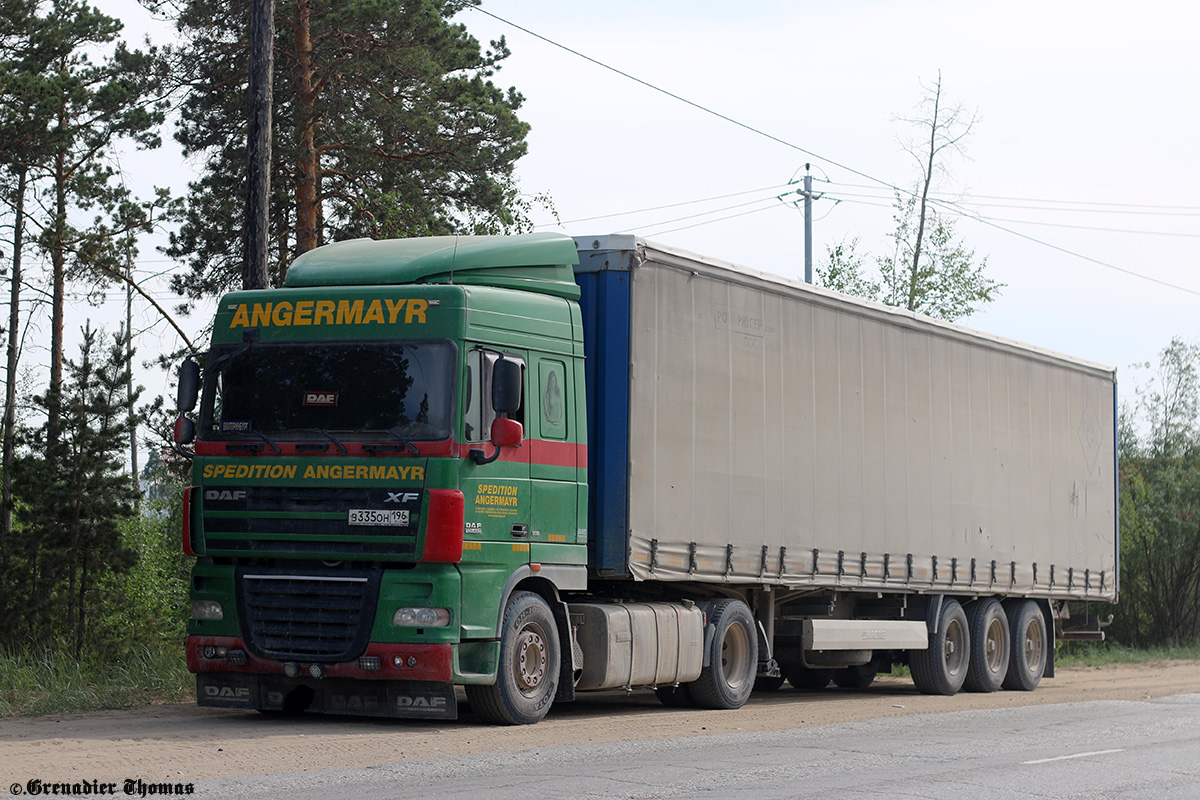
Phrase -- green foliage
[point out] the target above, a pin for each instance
(147, 605)
(389, 123)
(75, 496)
(929, 270)
(1160, 505)
(1098, 654)
(948, 282)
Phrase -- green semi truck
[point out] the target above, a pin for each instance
(532, 466)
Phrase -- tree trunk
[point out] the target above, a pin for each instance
(258, 143)
(10, 393)
(928, 179)
(133, 428)
(58, 259)
(307, 170)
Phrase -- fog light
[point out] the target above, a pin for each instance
(213, 651)
(236, 657)
(291, 669)
(370, 664)
(412, 661)
(316, 670)
(207, 609)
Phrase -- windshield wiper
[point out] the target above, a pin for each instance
(341, 447)
(405, 443)
(236, 446)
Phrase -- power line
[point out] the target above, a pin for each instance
(793, 146)
(957, 210)
(663, 207)
(1038, 200)
(710, 221)
(693, 104)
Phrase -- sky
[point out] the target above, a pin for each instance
(1086, 147)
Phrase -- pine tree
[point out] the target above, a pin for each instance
(75, 495)
(91, 107)
(386, 123)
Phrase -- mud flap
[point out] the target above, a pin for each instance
(400, 699)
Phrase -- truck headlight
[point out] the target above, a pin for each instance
(421, 617)
(207, 609)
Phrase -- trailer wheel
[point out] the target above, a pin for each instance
(676, 696)
(859, 677)
(529, 665)
(942, 667)
(732, 655)
(1030, 647)
(990, 647)
(807, 678)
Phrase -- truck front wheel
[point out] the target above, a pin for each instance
(941, 668)
(529, 665)
(732, 655)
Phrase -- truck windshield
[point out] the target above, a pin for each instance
(304, 390)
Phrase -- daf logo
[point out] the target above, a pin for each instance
(229, 693)
(397, 497)
(225, 494)
(417, 701)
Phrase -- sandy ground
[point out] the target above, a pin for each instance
(184, 743)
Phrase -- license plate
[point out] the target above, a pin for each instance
(370, 516)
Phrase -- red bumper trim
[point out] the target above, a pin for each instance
(434, 662)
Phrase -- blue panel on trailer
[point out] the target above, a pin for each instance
(605, 306)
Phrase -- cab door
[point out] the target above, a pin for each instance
(554, 457)
(496, 495)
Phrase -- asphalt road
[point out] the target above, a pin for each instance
(1124, 750)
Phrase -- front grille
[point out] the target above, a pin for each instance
(310, 617)
(311, 521)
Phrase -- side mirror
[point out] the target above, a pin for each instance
(185, 430)
(507, 432)
(189, 386)
(506, 386)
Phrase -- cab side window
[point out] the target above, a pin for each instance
(477, 424)
(552, 388)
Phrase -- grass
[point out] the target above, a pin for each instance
(34, 682)
(1097, 654)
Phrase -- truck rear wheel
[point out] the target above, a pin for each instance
(989, 645)
(529, 665)
(768, 683)
(807, 678)
(676, 696)
(1030, 647)
(941, 668)
(732, 655)
(859, 677)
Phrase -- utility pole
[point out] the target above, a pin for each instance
(808, 198)
(258, 142)
(807, 194)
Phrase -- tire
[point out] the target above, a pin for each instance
(675, 696)
(728, 679)
(990, 645)
(942, 667)
(1030, 646)
(807, 679)
(768, 683)
(859, 677)
(530, 660)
